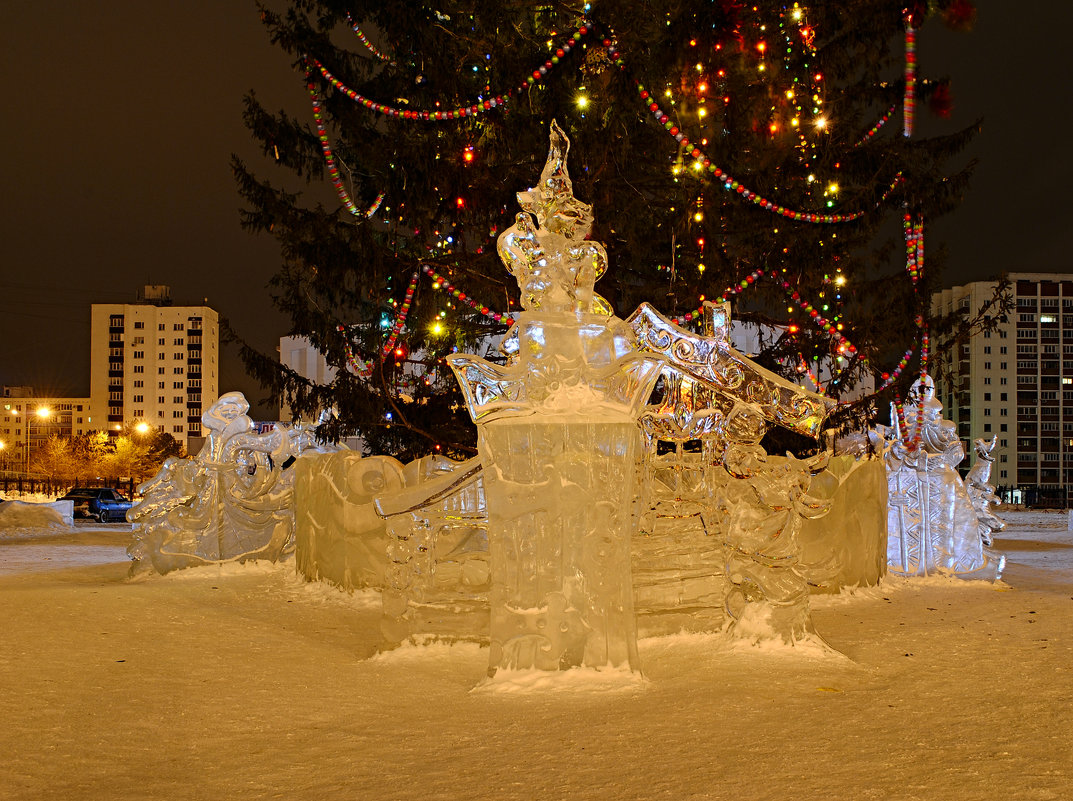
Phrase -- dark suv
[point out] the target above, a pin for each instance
(102, 503)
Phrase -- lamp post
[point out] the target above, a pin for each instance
(44, 415)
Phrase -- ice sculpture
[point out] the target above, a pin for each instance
(982, 493)
(439, 575)
(848, 546)
(703, 458)
(932, 526)
(339, 537)
(231, 502)
(558, 439)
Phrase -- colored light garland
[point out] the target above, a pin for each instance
(462, 296)
(365, 370)
(844, 345)
(908, 105)
(329, 158)
(876, 128)
(404, 311)
(913, 230)
(733, 185)
(480, 107)
(369, 45)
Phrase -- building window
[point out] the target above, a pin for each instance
(139, 383)
(177, 385)
(1002, 350)
(1002, 427)
(179, 340)
(178, 327)
(987, 349)
(177, 429)
(160, 371)
(160, 385)
(987, 396)
(139, 354)
(177, 371)
(177, 356)
(987, 411)
(987, 380)
(1002, 412)
(138, 413)
(1002, 381)
(139, 324)
(1048, 318)
(139, 399)
(160, 327)
(1002, 473)
(176, 399)
(138, 368)
(987, 365)
(987, 427)
(177, 413)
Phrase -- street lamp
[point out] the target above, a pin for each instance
(142, 427)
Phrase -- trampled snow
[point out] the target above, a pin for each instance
(243, 681)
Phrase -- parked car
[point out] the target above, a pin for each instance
(102, 503)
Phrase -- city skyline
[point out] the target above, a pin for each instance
(116, 167)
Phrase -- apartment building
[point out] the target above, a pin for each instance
(28, 419)
(1016, 382)
(155, 362)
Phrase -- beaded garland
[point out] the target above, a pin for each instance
(329, 158)
(733, 185)
(479, 107)
(876, 128)
(365, 41)
(910, 78)
(462, 296)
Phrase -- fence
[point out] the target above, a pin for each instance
(28, 485)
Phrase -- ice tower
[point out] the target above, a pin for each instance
(558, 438)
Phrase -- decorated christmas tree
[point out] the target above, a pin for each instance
(760, 153)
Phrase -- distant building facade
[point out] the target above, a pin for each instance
(1016, 383)
(154, 362)
(27, 420)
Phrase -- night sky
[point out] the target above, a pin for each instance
(120, 117)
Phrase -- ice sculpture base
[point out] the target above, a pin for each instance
(339, 536)
(560, 496)
(679, 577)
(847, 547)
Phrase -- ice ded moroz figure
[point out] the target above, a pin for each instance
(933, 526)
(558, 438)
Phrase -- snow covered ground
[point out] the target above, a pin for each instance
(244, 682)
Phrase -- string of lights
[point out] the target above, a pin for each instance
(479, 107)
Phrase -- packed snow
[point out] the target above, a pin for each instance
(243, 681)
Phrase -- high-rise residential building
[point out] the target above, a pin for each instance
(1016, 382)
(154, 362)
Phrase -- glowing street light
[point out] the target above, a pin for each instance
(142, 427)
